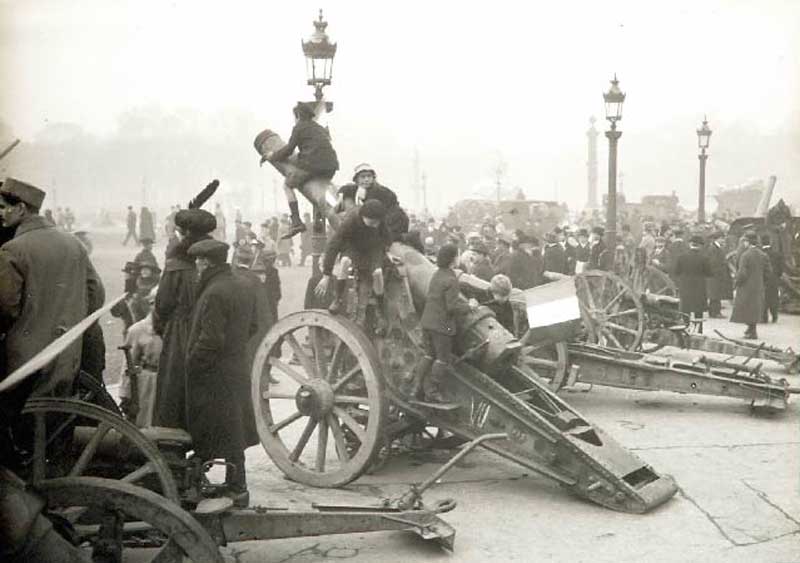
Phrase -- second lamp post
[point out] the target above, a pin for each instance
(613, 100)
(703, 136)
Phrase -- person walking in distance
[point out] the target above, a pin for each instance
(130, 223)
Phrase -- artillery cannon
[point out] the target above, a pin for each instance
(110, 486)
(350, 399)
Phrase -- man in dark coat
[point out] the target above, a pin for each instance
(130, 223)
(502, 255)
(771, 297)
(692, 269)
(175, 298)
(519, 269)
(676, 247)
(583, 252)
(719, 286)
(599, 258)
(748, 303)
(219, 409)
(555, 258)
(48, 285)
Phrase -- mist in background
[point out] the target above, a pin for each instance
(131, 103)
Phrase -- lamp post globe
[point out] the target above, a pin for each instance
(319, 53)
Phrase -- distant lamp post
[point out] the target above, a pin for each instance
(703, 137)
(319, 53)
(614, 99)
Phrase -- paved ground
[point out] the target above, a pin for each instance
(738, 477)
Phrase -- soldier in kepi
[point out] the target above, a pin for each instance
(47, 285)
(316, 158)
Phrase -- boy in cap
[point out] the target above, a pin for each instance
(361, 240)
(365, 178)
(316, 158)
(443, 304)
(219, 410)
(583, 251)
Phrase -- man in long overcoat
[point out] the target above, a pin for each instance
(748, 303)
(175, 298)
(719, 286)
(692, 269)
(220, 411)
(771, 296)
(48, 287)
(146, 226)
(555, 258)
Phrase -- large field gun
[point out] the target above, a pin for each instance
(350, 400)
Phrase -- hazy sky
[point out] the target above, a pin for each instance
(467, 83)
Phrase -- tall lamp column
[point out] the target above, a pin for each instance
(613, 99)
(703, 138)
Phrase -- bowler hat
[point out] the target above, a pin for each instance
(598, 231)
(583, 233)
(696, 239)
(751, 237)
(26, 193)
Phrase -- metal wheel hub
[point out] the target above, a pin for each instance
(314, 399)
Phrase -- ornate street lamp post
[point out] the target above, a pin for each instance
(613, 100)
(319, 53)
(703, 137)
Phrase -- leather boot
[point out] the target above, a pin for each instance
(338, 305)
(432, 384)
(418, 376)
(236, 482)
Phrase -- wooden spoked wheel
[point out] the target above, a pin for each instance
(657, 282)
(611, 310)
(111, 519)
(548, 360)
(70, 438)
(322, 424)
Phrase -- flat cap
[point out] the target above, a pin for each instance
(209, 248)
(599, 231)
(198, 221)
(23, 191)
(373, 209)
(751, 237)
(697, 239)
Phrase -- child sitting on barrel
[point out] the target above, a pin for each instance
(443, 304)
(316, 158)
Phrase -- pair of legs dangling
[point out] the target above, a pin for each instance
(432, 368)
(295, 179)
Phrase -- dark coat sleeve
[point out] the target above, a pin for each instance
(94, 287)
(294, 140)
(744, 271)
(207, 347)
(11, 288)
(166, 300)
(453, 302)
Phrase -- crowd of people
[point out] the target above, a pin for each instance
(192, 323)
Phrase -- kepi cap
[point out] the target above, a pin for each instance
(27, 193)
